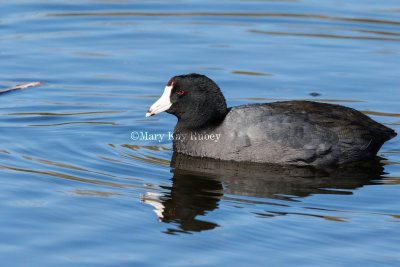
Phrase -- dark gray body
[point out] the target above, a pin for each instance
(291, 132)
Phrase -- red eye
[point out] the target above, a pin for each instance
(181, 92)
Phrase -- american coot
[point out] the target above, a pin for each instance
(288, 132)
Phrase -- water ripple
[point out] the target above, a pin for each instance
(79, 122)
(326, 35)
(251, 73)
(223, 14)
(65, 114)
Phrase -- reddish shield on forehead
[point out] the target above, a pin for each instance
(171, 81)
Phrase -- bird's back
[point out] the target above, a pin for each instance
(292, 132)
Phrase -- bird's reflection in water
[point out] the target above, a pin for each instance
(199, 184)
(191, 194)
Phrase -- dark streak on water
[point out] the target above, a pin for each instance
(77, 190)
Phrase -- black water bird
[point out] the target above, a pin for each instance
(288, 132)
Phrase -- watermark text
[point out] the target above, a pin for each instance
(171, 136)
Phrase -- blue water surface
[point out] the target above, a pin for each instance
(77, 190)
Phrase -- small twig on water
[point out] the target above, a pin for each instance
(20, 87)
